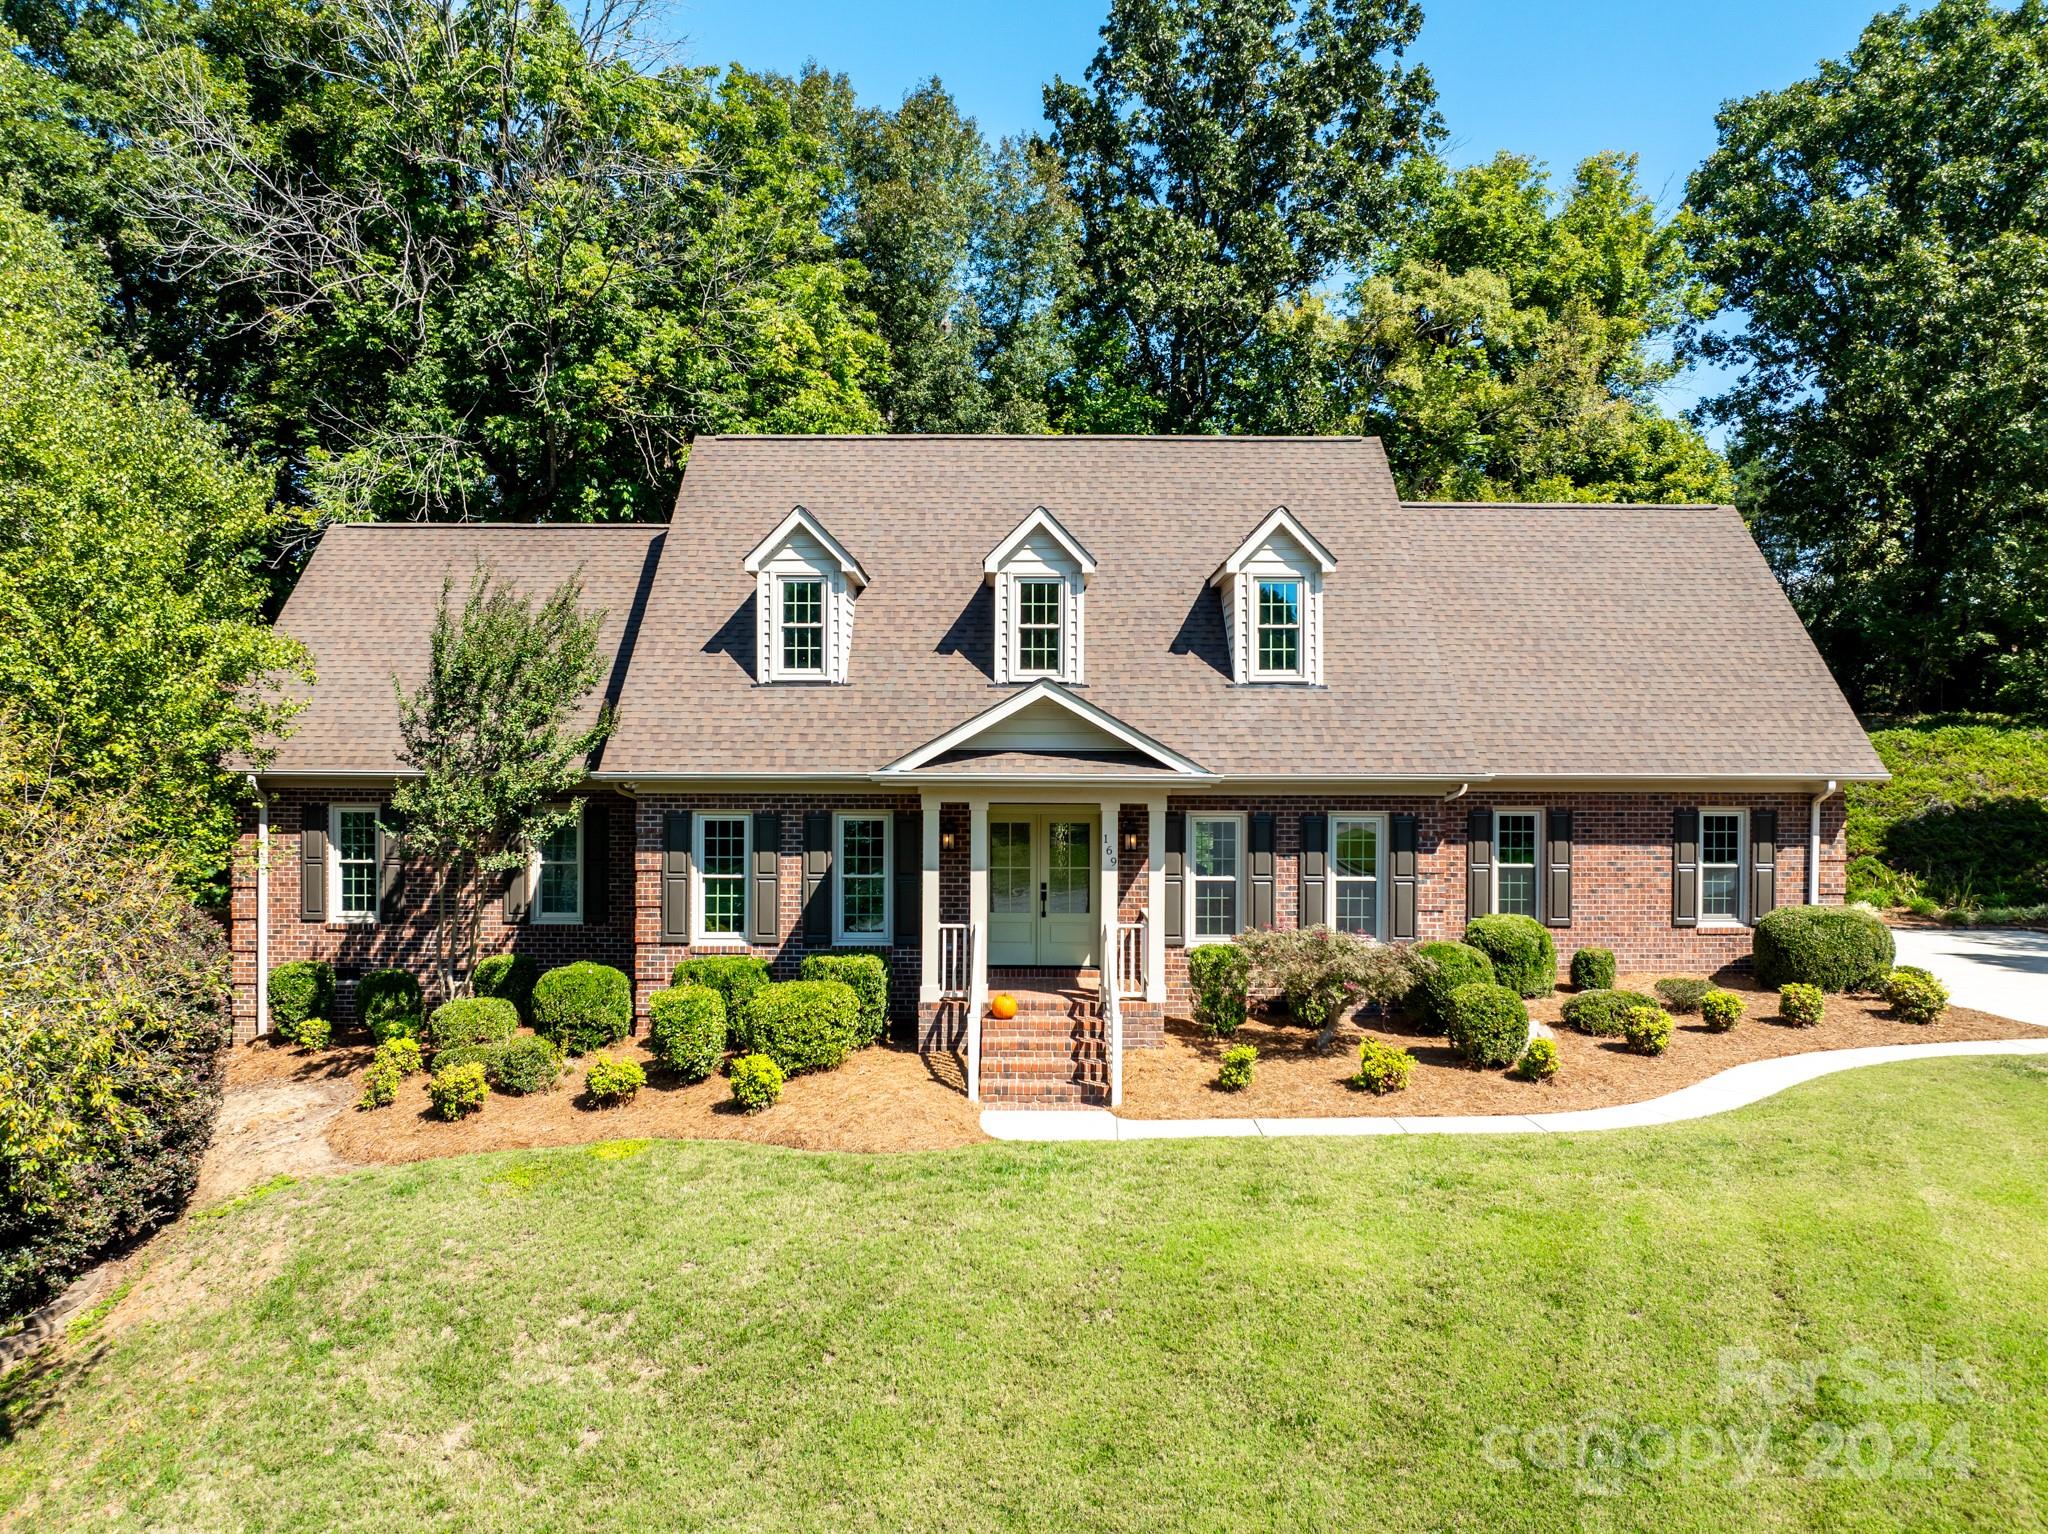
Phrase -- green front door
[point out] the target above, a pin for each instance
(1042, 887)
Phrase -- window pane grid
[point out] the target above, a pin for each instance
(560, 872)
(725, 877)
(1067, 868)
(356, 851)
(1216, 863)
(1009, 867)
(803, 625)
(1279, 626)
(1354, 868)
(863, 861)
(1721, 866)
(1515, 864)
(1038, 625)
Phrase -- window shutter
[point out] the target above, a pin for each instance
(1763, 862)
(675, 877)
(1173, 894)
(1315, 870)
(767, 921)
(1401, 861)
(1262, 870)
(1478, 863)
(390, 861)
(1685, 867)
(597, 862)
(517, 896)
(908, 867)
(818, 879)
(1557, 857)
(313, 863)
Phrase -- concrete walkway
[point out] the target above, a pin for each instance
(1733, 1088)
(1993, 969)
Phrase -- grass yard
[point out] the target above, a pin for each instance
(1400, 1333)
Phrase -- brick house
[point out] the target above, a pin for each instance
(1038, 714)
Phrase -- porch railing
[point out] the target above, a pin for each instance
(1112, 1008)
(953, 958)
(1130, 960)
(977, 1001)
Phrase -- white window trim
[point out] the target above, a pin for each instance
(534, 914)
(1379, 875)
(336, 917)
(699, 938)
(840, 937)
(826, 598)
(1018, 670)
(1299, 672)
(1194, 881)
(1542, 820)
(1741, 916)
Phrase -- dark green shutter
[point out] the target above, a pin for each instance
(1763, 863)
(908, 867)
(1478, 863)
(1315, 870)
(1175, 882)
(313, 863)
(1401, 861)
(767, 929)
(1262, 870)
(596, 842)
(390, 862)
(1685, 867)
(518, 897)
(1557, 859)
(818, 879)
(675, 877)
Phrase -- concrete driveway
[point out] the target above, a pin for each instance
(1994, 969)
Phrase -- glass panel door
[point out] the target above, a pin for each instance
(1067, 928)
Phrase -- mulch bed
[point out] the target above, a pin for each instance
(1291, 1080)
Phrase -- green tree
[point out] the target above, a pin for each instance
(489, 731)
(1881, 236)
(131, 568)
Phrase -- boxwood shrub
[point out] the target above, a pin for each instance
(523, 1064)
(508, 977)
(1803, 1006)
(735, 976)
(1538, 1062)
(756, 1082)
(802, 1025)
(388, 1004)
(380, 1085)
(612, 1081)
(1593, 969)
(1682, 993)
(1835, 948)
(1916, 996)
(301, 989)
(1524, 957)
(1489, 1024)
(583, 1006)
(1446, 966)
(1383, 1067)
(1647, 1029)
(869, 977)
(1219, 975)
(1235, 1073)
(458, 1089)
(1599, 1013)
(687, 1024)
(472, 1020)
(1720, 1010)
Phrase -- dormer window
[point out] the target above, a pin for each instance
(1040, 574)
(805, 585)
(1272, 591)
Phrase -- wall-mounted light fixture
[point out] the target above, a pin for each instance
(946, 840)
(1130, 841)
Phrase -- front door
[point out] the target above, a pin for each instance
(1042, 887)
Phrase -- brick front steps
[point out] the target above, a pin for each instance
(1053, 1054)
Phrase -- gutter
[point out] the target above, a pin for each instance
(1813, 842)
(262, 906)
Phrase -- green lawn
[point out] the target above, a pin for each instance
(1200, 1335)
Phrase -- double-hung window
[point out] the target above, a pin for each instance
(863, 879)
(353, 836)
(1216, 853)
(1516, 837)
(1355, 873)
(1279, 628)
(1038, 627)
(1721, 865)
(803, 627)
(558, 885)
(722, 877)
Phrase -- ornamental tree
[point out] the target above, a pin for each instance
(1326, 975)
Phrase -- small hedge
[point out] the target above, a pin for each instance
(1599, 1012)
(802, 1025)
(1803, 1006)
(1489, 1024)
(583, 1006)
(1383, 1068)
(1647, 1029)
(380, 1085)
(868, 976)
(1235, 1073)
(756, 1082)
(1682, 993)
(1446, 966)
(458, 1089)
(388, 1003)
(612, 1081)
(508, 977)
(1593, 969)
(1720, 1010)
(1538, 1062)
(402, 1055)
(472, 1020)
(1524, 957)
(301, 989)
(523, 1065)
(1220, 977)
(687, 1029)
(311, 1033)
(1915, 995)
(1833, 947)
(735, 976)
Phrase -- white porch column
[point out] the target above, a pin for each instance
(977, 978)
(1155, 901)
(1112, 849)
(928, 978)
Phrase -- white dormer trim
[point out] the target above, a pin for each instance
(965, 733)
(802, 549)
(1039, 549)
(1280, 549)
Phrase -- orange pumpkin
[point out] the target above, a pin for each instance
(1003, 1004)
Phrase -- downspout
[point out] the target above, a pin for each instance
(1462, 787)
(262, 906)
(1813, 843)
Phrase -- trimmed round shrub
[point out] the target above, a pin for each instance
(301, 989)
(312, 1033)
(1647, 1029)
(1720, 1010)
(1235, 1073)
(1219, 974)
(756, 1082)
(1681, 993)
(1445, 967)
(1538, 1062)
(402, 1055)
(380, 1085)
(612, 1081)
(735, 976)
(1489, 1024)
(508, 977)
(687, 1027)
(583, 1006)
(868, 976)
(1836, 948)
(389, 1004)
(1383, 1068)
(458, 1089)
(1593, 969)
(524, 1064)
(1802, 1005)
(472, 1020)
(802, 1025)
(1599, 1012)
(1915, 995)
(1523, 954)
